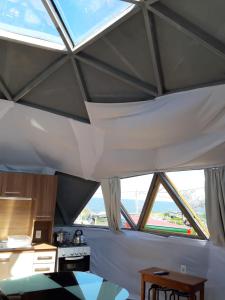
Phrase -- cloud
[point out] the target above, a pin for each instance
(31, 18)
(94, 6)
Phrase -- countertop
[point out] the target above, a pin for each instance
(63, 285)
(33, 247)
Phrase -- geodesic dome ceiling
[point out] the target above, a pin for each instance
(129, 51)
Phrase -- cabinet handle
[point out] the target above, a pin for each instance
(16, 193)
(44, 257)
(41, 269)
(74, 258)
(2, 260)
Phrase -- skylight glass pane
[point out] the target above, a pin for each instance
(84, 18)
(28, 18)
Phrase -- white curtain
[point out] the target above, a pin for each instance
(112, 197)
(215, 204)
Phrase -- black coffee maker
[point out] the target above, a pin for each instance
(78, 237)
(59, 238)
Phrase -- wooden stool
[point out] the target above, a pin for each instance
(176, 295)
(157, 289)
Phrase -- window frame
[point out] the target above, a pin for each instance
(81, 209)
(162, 178)
(102, 30)
(128, 218)
(159, 178)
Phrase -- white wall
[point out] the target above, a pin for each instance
(119, 257)
(216, 271)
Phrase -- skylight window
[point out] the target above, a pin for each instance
(27, 18)
(85, 18)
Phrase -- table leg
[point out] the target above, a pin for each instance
(202, 293)
(191, 297)
(154, 294)
(142, 289)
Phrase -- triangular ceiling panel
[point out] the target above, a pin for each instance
(105, 88)
(206, 14)
(185, 62)
(126, 48)
(59, 92)
(21, 63)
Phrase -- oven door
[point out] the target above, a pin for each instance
(74, 263)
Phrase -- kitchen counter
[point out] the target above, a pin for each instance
(63, 285)
(43, 247)
(34, 247)
(25, 261)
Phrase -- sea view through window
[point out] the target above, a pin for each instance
(164, 214)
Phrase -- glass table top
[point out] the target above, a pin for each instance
(63, 285)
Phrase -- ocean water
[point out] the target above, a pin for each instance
(133, 206)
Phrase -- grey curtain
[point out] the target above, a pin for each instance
(112, 197)
(215, 204)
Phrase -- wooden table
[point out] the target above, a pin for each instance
(174, 280)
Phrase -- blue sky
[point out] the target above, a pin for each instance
(27, 17)
(82, 17)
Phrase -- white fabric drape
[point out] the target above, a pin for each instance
(215, 204)
(178, 131)
(185, 130)
(112, 197)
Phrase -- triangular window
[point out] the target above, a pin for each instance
(24, 19)
(134, 191)
(94, 212)
(166, 217)
(191, 187)
(85, 18)
(125, 223)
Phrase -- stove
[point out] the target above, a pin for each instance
(70, 251)
(73, 257)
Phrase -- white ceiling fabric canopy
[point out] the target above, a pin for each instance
(31, 138)
(176, 131)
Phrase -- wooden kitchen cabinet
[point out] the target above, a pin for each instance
(27, 205)
(44, 261)
(4, 265)
(14, 264)
(25, 263)
(41, 188)
(44, 195)
(16, 217)
(16, 185)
